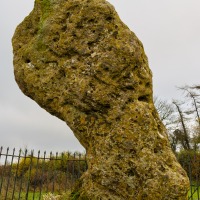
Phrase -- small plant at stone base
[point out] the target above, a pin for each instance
(51, 196)
(75, 194)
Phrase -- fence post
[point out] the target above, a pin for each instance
(1, 172)
(1, 151)
(197, 172)
(54, 168)
(9, 174)
(4, 168)
(29, 174)
(67, 171)
(16, 174)
(21, 183)
(43, 163)
(38, 157)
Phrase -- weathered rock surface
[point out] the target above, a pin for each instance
(78, 61)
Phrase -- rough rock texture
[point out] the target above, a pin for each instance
(78, 61)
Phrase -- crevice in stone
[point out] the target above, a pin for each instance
(109, 18)
(144, 98)
(27, 60)
(148, 84)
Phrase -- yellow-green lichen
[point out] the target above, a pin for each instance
(78, 61)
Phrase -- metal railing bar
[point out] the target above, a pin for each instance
(54, 168)
(9, 174)
(16, 156)
(190, 176)
(1, 174)
(17, 168)
(1, 151)
(5, 163)
(43, 163)
(47, 158)
(61, 166)
(67, 177)
(79, 167)
(198, 176)
(22, 171)
(48, 174)
(38, 158)
(29, 174)
(73, 168)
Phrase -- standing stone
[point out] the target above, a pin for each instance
(81, 63)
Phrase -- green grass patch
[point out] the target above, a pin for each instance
(23, 195)
(194, 193)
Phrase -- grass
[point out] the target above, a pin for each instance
(194, 192)
(37, 196)
(23, 195)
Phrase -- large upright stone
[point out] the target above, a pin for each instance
(78, 61)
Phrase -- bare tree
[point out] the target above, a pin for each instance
(195, 98)
(173, 141)
(193, 95)
(182, 135)
(178, 119)
(195, 87)
(165, 111)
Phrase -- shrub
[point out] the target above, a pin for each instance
(190, 161)
(24, 165)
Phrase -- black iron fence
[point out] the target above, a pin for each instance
(190, 161)
(26, 176)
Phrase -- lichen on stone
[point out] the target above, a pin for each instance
(81, 63)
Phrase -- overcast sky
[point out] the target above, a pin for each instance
(169, 31)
